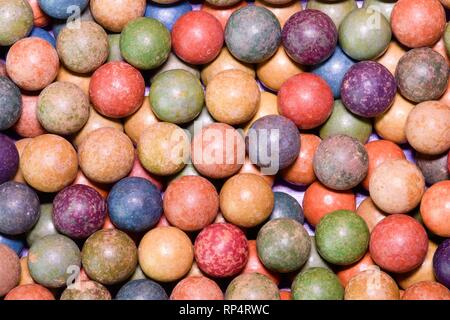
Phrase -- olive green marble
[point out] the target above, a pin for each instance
(385, 7)
(342, 237)
(16, 21)
(337, 10)
(364, 34)
(176, 96)
(145, 43)
(109, 256)
(317, 284)
(44, 226)
(114, 48)
(345, 122)
(283, 245)
(252, 286)
(53, 259)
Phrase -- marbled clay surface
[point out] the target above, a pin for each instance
(252, 286)
(28, 125)
(317, 284)
(142, 289)
(309, 37)
(283, 245)
(196, 288)
(361, 286)
(117, 89)
(422, 75)
(221, 250)
(342, 237)
(286, 206)
(426, 290)
(253, 34)
(32, 63)
(440, 263)
(10, 103)
(31, 291)
(368, 89)
(83, 49)
(78, 211)
(9, 158)
(398, 243)
(9, 269)
(341, 162)
(17, 17)
(264, 133)
(19, 208)
(50, 258)
(109, 256)
(113, 15)
(86, 290)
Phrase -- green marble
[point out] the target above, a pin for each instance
(16, 21)
(317, 284)
(337, 11)
(252, 286)
(44, 226)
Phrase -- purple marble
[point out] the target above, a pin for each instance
(368, 89)
(9, 158)
(78, 211)
(441, 263)
(309, 37)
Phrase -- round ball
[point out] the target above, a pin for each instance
(232, 88)
(9, 158)
(372, 284)
(253, 34)
(145, 43)
(283, 245)
(364, 34)
(398, 243)
(30, 292)
(319, 200)
(317, 284)
(426, 290)
(342, 237)
(427, 128)
(106, 155)
(142, 289)
(252, 286)
(116, 89)
(63, 108)
(370, 213)
(246, 200)
(440, 263)
(309, 37)
(86, 290)
(109, 256)
(435, 210)
(9, 269)
(83, 49)
(28, 125)
(286, 206)
(218, 151)
(306, 99)
(427, 18)
(30, 57)
(344, 122)
(254, 264)
(167, 15)
(396, 186)
(434, 167)
(176, 96)
(10, 103)
(134, 205)
(368, 89)
(163, 148)
(221, 250)
(341, 162)
(115, 14)
(337, 10)
(197, 37)
(52, 259)
(196, 288)
(44, 226)
(422, 75)
(345, 273)
(79, 211)
(62, 9)
(16, 18)
(166, 254)
(191, 203)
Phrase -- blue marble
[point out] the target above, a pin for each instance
(43, 34)
(286, 206)
(142, 289)
(14, 243)
(62, 9)
(334, 69)
(134, 204)
(167, 14)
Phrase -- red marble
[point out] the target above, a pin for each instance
(426, 290)
(28, 125)
(435, 208)
(196, 288)
(30, 292)
(254, 264)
